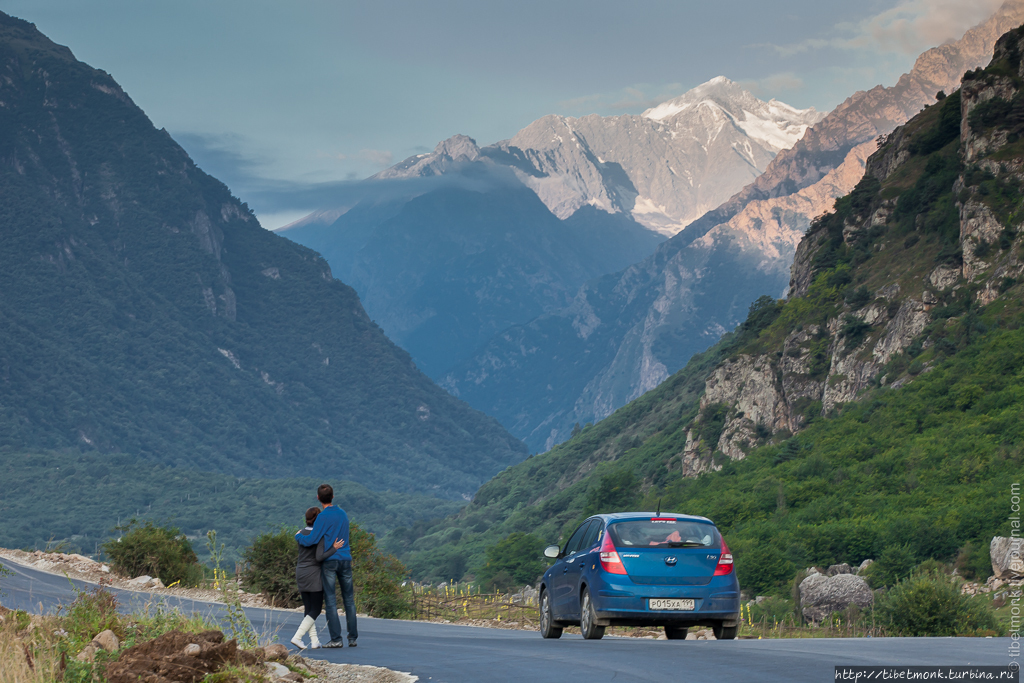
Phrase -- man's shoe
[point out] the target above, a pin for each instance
(335, 643)
(352, 643)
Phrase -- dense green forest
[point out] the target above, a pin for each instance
(145, 311)
(918, 467)
(76, 500)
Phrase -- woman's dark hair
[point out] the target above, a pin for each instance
(311, 514)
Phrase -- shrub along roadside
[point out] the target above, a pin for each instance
(931, 604)
(269, 567)
(161, 551)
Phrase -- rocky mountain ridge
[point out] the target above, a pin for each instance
(820, 367)
(664, 167)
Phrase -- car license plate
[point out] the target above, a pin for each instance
(672, 603)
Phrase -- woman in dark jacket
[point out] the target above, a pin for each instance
(307, 574)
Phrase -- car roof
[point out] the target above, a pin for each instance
(621, 516)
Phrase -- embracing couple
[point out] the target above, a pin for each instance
(325, 559)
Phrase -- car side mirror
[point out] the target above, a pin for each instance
(551, 551)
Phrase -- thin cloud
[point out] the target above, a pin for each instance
(631, 99)
(772, 86)
(380, 157)
(908, 28)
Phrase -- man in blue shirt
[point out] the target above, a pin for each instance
(332, 525)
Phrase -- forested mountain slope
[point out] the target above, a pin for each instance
(445, 271)
(625, 333)
(878, 410)
(144, 311)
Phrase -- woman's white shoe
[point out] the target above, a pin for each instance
(314, 640)
(306, 625)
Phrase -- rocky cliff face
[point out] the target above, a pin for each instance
(626, 333)
(931, 232)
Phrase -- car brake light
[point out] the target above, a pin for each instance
(724, 561)
(610, 561)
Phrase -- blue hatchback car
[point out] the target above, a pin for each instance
(641, 569)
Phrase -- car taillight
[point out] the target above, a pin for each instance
(610, 561)
(724, 562)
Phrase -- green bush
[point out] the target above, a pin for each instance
(516, 560)
(895, 563)
(160, 551)
(854, 329)
(763, 569)
(269, 567)
(974, 562)
(931, 604)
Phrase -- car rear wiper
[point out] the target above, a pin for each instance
(684, 544)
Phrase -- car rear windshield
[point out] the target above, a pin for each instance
(665, 533)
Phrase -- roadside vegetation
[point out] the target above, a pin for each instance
(163, 552)
(268, 567)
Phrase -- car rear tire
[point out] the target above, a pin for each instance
(588, 619)
(548, 627)
(676, 632)
(725, 632)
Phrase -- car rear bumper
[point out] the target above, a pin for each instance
(629, 605)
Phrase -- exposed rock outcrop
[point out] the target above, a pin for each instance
(822, 596)
(1007, 554)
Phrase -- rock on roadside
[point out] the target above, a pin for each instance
(1007, 555)
(821, 596)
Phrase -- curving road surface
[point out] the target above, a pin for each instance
(465, 654)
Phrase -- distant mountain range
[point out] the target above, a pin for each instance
(450, 248)
(665, 167)
(625, 333)
(146, 312)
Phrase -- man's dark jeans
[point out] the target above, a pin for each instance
(334, 571)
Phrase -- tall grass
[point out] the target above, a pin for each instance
(44, 649)
(28, 658)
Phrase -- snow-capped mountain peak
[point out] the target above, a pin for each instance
(719, 85)
(665, 167)
(774, 123)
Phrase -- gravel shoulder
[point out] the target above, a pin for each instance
(328, 672)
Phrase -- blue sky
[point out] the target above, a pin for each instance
(285, 101)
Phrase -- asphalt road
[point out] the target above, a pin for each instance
(466, 654)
